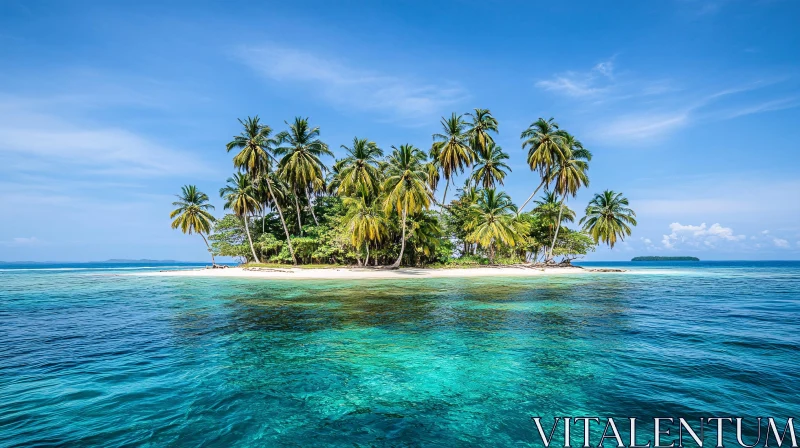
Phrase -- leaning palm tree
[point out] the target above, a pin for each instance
(366, 223)
(255, 158)
(192, 214)
(406, 187)
(452, 147)
(493, 220)
(608, 218)
(479, 128)
(545, 151)
(239, 195)
(569, 175)
(301, 165)
(490, 169)
(360, 167)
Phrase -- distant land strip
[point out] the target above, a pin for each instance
(665, 259)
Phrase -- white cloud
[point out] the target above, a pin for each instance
(698, 236)
(764, 232)
(21, 241)
(779, 242)
(396, 96)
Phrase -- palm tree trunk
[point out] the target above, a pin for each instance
(299, 221)
(366, 261)
(530, 197)
(446, 186)
(283, 222)
(558, 226)
(311, 208)
(213, 263)
(402, 238)
(247, 229)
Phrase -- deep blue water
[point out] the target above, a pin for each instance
(98, 355)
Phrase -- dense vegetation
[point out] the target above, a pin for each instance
(375, 208)
(665, 259)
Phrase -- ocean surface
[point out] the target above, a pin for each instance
(102, 355)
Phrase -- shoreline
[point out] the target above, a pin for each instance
(355, 273)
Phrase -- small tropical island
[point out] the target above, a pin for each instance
(665, 259)
(376, 209)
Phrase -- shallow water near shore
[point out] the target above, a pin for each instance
(93, 358)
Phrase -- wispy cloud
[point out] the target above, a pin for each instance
(58, 142)
(21, 241)
(637, 110)
(718, 196)
(581, 84)
(400, 97)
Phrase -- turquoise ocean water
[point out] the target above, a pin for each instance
(100, 355)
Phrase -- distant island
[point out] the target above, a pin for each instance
(665, 259)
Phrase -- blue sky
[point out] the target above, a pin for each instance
(691, 108)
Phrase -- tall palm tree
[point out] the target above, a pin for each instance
(569, 175)
(239, 195)
(493, 221)
(545, 151)
(480, 126)
(452, 147)
(490, 167)
(366, 223)
(608, 217)
(192, 214)
(301, 165)
(255, 158)
(406, 187)
(360, 167)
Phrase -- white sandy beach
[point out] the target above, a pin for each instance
(366, 273)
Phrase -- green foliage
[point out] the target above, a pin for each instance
(228, 238)
(573, 244)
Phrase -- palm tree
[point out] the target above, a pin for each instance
(239, 196)
(360, 167)
(490, 167)
(493, 220)
(300, 165)
(454, 153)
(193, 214)
(366, 223)
(545, 151)
(406, 187)
(569, 175)
(608, 217)
(482, 123)
(256, 160)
